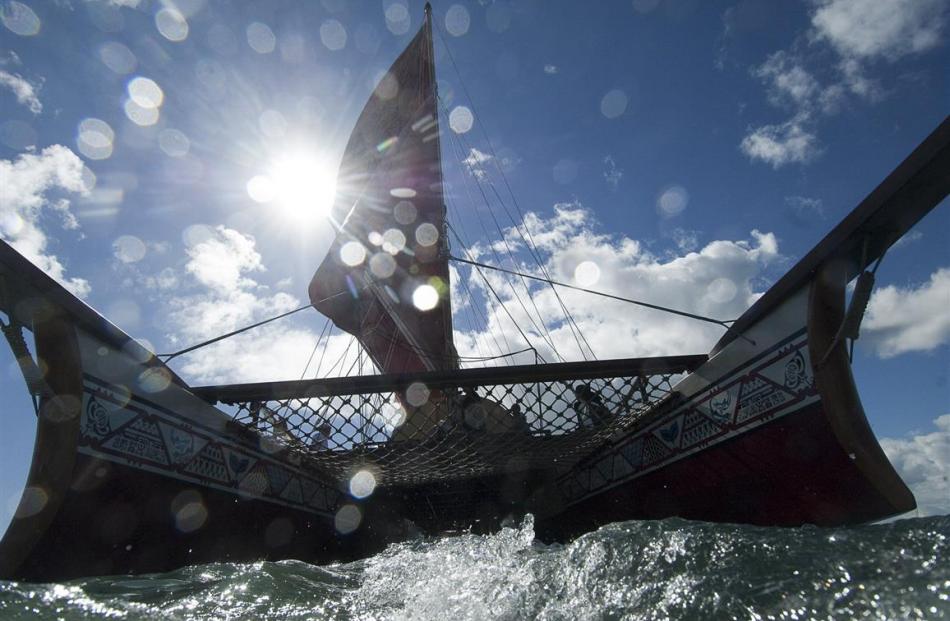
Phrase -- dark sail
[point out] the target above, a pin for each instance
(390, 253)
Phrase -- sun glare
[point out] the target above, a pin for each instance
(299, 185)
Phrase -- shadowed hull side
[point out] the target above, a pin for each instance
(787, 473)
(779, 440)
(116, 519)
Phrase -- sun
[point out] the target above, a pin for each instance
(298, 184)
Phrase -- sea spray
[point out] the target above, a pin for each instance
(670, 569)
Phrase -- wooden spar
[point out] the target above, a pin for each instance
(527, 373)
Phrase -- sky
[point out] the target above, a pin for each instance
(171, 163)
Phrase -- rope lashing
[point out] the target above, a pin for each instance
(32, 374)
(850, 327)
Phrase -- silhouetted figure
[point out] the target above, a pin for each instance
(590, 408)
(521, 423)
(321, 439)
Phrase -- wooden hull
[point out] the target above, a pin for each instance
(133, 472)
(157, 479)
(773, 440)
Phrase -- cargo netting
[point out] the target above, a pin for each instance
(419, 432)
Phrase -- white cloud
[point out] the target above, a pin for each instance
(923, 461)
(788, 81)
(716, 281)
(806, 207)
(475, 163)
(901, 320)
(220, 261)
(781, 144)
(880, 28)
(686, 240)
(27, 181)
(24, 91)
(225, 297)
(129, 3)
(908, 238)
(165, 280)
(854, 78)
(612, 174)
(859, 32)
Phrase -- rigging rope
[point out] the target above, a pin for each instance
(721, 322)
(491, 288)
(526, 236)
(542, 329)
(168, 357)
(317, 345)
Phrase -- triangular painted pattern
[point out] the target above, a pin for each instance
(140, 439)
(605, 466)
(255, 482)
(307, 489)
(621, 466)
(597, 479)
(759, 396)
(583, 479)
(238, 463)
(182, 445)
(277, 477)
(101, 419)
(705, 429)
(292, 491)
(318, 500)
(654, 450)
(670, 432)
(633, 453)
(209, 462)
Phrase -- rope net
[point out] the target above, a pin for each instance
(418, 436)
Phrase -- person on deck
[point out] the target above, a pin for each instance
(321, 438)
(590, 408)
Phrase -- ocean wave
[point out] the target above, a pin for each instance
(669, 569)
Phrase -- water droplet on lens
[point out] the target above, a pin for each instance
(172, 25)
(362, 484)
(128, 249)
(417, 394)
(613, 104)
(587, 273)
(353, 253)
(425, 297)
(461, 119)
(457, 20)
(347, 519)
(672, 201)
(333, 35)
(261, 38)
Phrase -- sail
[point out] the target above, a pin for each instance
(390, 253)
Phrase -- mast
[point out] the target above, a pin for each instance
(444, 249)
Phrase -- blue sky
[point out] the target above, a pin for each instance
(675, 151)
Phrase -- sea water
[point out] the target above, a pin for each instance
(670, 569)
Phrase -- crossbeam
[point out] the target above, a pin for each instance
(464, 378)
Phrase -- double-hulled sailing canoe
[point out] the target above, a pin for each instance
(134, 470)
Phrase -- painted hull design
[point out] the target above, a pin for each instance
(135, 471)
(751, 440)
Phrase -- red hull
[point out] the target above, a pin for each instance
(788, 472)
